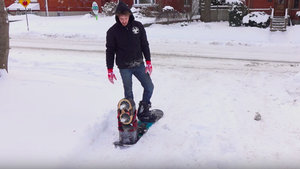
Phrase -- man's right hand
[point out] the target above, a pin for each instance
(111, 75)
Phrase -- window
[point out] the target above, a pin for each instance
(144, 2)
(296, 3)
(269, 0)
(186, 2)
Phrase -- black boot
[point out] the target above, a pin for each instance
(144, 113)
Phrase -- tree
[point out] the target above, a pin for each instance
(4, 38)
(193, 11)
(205, 11)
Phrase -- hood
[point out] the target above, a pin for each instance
(121, 8)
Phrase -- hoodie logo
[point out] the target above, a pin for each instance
(135, 30)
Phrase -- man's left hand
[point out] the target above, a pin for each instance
(148, 67)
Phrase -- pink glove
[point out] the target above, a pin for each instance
(148, 67)
(111, 75)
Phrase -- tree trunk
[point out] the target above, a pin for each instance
(4, 38)
(205, 14)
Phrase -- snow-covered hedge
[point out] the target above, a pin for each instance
(236, 14)
(258, 19)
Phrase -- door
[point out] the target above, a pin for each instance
(279, 9)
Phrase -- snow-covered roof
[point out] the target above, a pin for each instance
(17, 6)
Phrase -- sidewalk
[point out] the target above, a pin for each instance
(235, 51)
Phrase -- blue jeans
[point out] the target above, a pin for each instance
(144, 78)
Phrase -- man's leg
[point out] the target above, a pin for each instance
(126, 75)
(144, 106)
(146, 82)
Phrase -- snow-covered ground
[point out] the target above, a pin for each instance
(58, 109)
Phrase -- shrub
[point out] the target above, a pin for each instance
(236, 14)
(145, 11)
(169, 14)
(109, 8)
(257, 19)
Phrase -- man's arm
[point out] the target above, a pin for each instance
(145, 44)
(110, 50)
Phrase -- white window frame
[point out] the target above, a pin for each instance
(137, 3)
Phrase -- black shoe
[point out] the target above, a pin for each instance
(144, 113)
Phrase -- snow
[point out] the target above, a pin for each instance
(298, 13)
(58, 109)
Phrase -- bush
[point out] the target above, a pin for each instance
(144, 11)
(218, 2)
(257, 19)
(109, 8)
(169, 14)
(236, 14)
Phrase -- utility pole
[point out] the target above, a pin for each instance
(4, 38)
(46, 6)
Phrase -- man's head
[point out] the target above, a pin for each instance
(124, 18)
(123, 13)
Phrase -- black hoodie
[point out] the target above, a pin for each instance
(129, 42)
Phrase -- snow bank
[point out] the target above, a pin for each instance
(3, 74)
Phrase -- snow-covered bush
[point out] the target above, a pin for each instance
(168, 14)
(136, 12)
(168, 8)
(223, 2)
(236, 14)
(258, 19)
(109, 8)
(298, 14)
(142, 11)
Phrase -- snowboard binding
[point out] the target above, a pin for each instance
(127, 122)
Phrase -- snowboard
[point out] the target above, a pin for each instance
(142, 128)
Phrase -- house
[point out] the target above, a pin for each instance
(53, 7)
(73, 7)
(279, 8)
(179, 5)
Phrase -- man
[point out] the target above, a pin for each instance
(127, 40)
